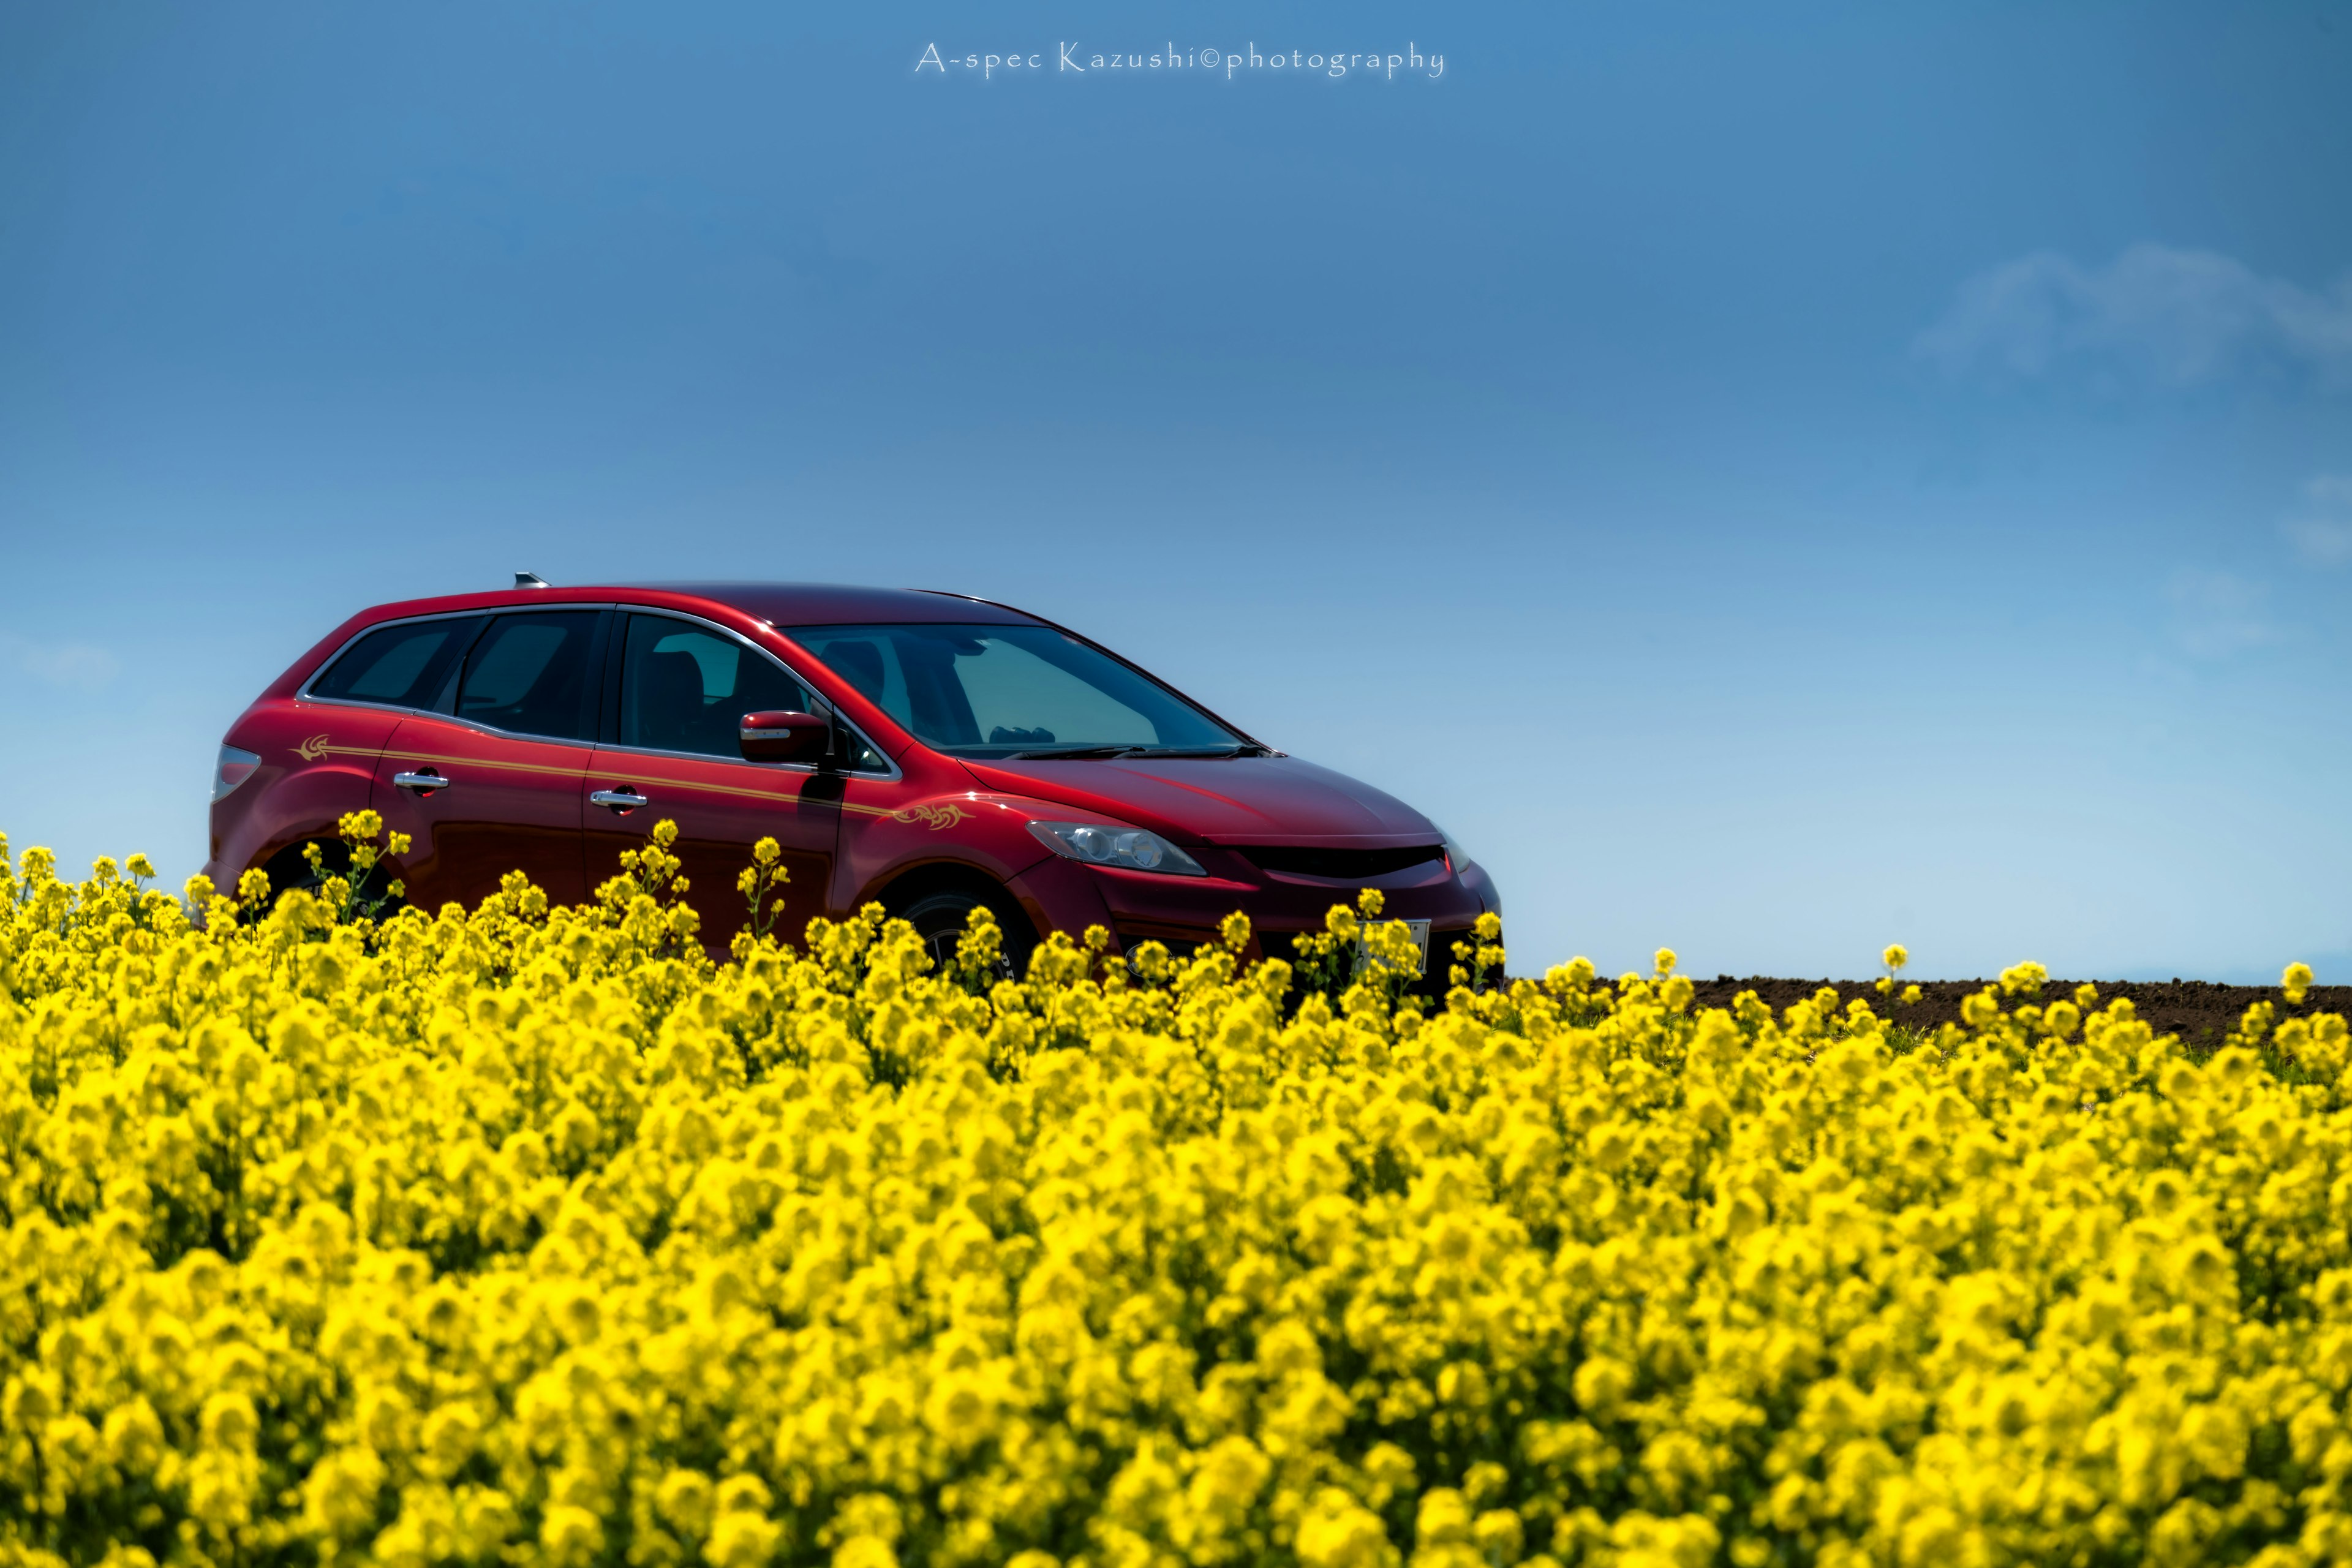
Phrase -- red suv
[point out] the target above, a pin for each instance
(927, 750)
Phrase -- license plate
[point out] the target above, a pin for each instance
(1417, 930)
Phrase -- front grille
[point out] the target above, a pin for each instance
(1339, 865)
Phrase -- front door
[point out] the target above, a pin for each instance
(512, 757)
(683, 687)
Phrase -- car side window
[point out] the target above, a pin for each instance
(399, 665)
(870, 665)
(683, 689)
(530, 674)
(864, 758)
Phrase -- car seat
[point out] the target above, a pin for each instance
(671, 713)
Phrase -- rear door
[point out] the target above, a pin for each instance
(319, 753)
(493, 782)
(671, 745)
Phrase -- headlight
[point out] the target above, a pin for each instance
(1100, 844)
(232, 769)
(1457, 857)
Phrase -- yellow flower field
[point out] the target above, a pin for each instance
(523, 1234)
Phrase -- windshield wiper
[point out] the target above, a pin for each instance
(1106, 754)
(1086, 754)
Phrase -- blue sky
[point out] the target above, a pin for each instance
(1772, 480)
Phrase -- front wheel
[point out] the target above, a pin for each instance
(939, 917)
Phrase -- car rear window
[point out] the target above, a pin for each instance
(530, 674)
(400, 665)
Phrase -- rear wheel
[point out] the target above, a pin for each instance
(290, 870)
(939, 918)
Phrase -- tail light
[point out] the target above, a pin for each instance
(232, 769)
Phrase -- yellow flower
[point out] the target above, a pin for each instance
(230, 1421)
(747, 1539)
(1338, 1533)
(685, 1500)
(2023, 979)
(527, 1232)
(571, 1535)
(864, 1551)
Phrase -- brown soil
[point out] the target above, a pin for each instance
(2200, 1013)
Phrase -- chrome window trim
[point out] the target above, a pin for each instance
(478, 727)
(303, 694)
(587, 748)
(893, 773)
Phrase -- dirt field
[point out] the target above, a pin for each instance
(2198, 1012)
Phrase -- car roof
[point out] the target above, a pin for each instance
(780, 604)
(837, 603)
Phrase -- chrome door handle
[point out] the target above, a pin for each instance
(422, 784)
(618, 799)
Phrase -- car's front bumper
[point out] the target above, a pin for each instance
(1141, 906)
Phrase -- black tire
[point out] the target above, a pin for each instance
(939, 917)
(289, 871)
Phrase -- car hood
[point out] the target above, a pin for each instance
(1220, 800)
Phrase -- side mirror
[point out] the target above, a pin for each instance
(778, 736)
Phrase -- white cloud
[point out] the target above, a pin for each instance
(68, 666)
(2173, 317)
(2216, 614)
(2322, 527)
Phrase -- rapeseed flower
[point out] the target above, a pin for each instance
(527, 1234)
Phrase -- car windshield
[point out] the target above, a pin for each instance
(1006, 691)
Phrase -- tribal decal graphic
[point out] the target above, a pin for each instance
(931, 817)
(317, 746)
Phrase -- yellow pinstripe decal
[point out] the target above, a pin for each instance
(933, 816)
(578, 772)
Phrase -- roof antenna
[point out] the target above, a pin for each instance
(530, 580)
